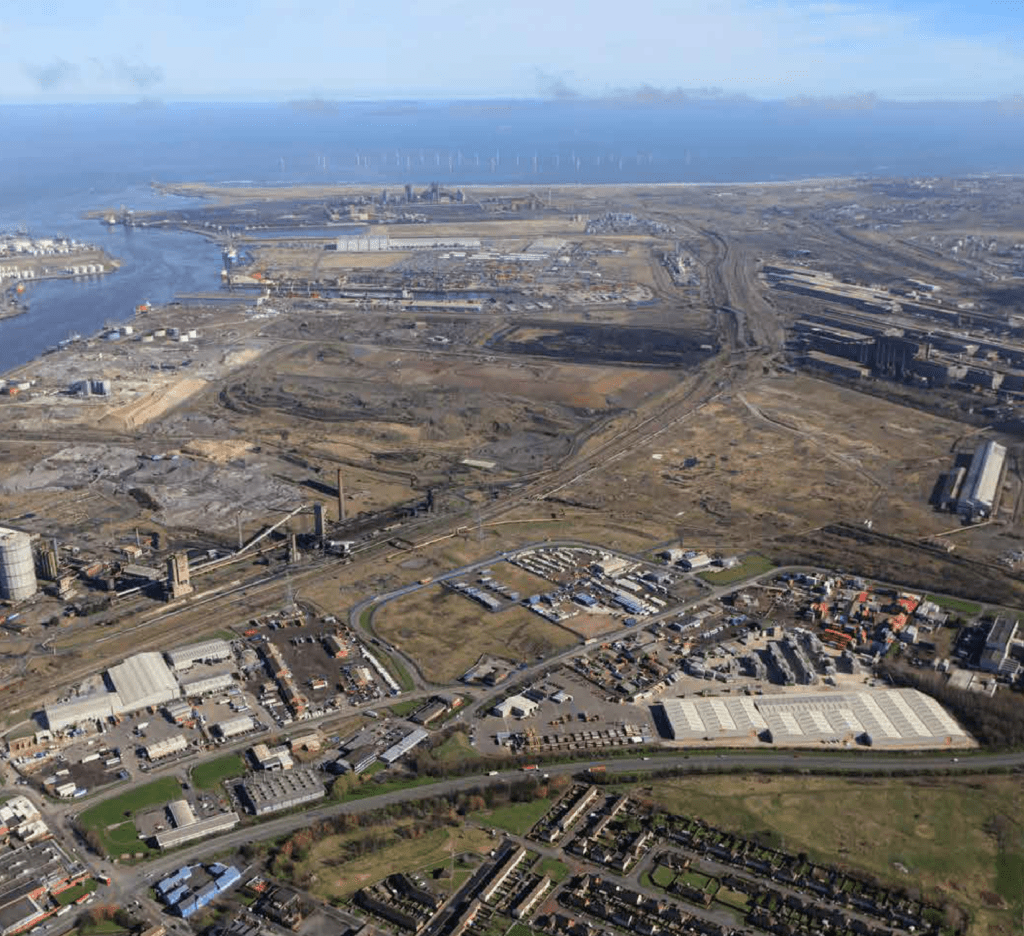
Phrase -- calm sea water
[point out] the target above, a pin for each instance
(56, 162)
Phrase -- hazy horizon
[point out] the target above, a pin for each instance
(273, 50)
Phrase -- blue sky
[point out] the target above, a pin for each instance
(59, 50)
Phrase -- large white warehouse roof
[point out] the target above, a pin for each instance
(143, 680)
(882, 717)
(94, 707)
(207, 650)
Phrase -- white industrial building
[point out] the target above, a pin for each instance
(208, 651)
(143, 680)
(517, 705)
(369, 243)
(403, 747)
(273, 792)
(980, 489)
(204, 685)
(95, 707)
(165, 748)
(233, 727)
(187, 827)
(17, 565)
(880, 718)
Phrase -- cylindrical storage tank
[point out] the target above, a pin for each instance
(160, 333)
(193, 333)
(128, 329)
(183, 339)
(23, 385)
(17, 565)
(113, 336)
(147, 339)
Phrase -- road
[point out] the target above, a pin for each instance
(139, 876)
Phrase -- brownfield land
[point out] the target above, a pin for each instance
(617, 400)
(446, 632)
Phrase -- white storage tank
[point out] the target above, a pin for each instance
(193, 333)
(183, 339)
(147, 339)
(160, 333)
(128, 329)
(17, 565)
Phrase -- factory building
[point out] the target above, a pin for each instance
(282, 790)
(187, 828)
(517, 705)
(980, 490)
(165, 748)
(995, 658)
(208, 651)
(95, 707)
(233, 727)
(839, 367)
(403, 747)
(29, 877)
(881, 718)
(17, 565)
(205, 685)
(141, 681)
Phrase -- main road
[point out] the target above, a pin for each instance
(697, 763)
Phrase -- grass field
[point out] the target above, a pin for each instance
(446, 633)
(407, 707)
(517, 818)
(748, 568)
(333, 880)
(961, 839)
(662, 876)
(118, 808)
(212, 773)
(113, 819)
(456, 748)
(553, 868)
(957, 605)
(72, 894)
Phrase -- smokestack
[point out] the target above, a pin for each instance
(341, 498)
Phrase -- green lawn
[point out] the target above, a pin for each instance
(662, 876)
(517, 818)
(113, 819)
(749, 567)
(518, 929)
(100, 928)
(406, 707)
(118, 808)
(733, 899)
(695, 879)
(959, 605)
(455, 748)
(553, 868)
(212, 773)
(74, 893)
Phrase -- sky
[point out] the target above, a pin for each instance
(68, 50)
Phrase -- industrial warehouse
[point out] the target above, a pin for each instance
(892, 718)
(971, 489)
(141, 681)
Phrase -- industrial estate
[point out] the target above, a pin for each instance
(503, 562)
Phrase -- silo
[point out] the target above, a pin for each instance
(17, 565)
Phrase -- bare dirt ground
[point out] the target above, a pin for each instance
(446, 633)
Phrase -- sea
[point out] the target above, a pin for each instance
(59, 161)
